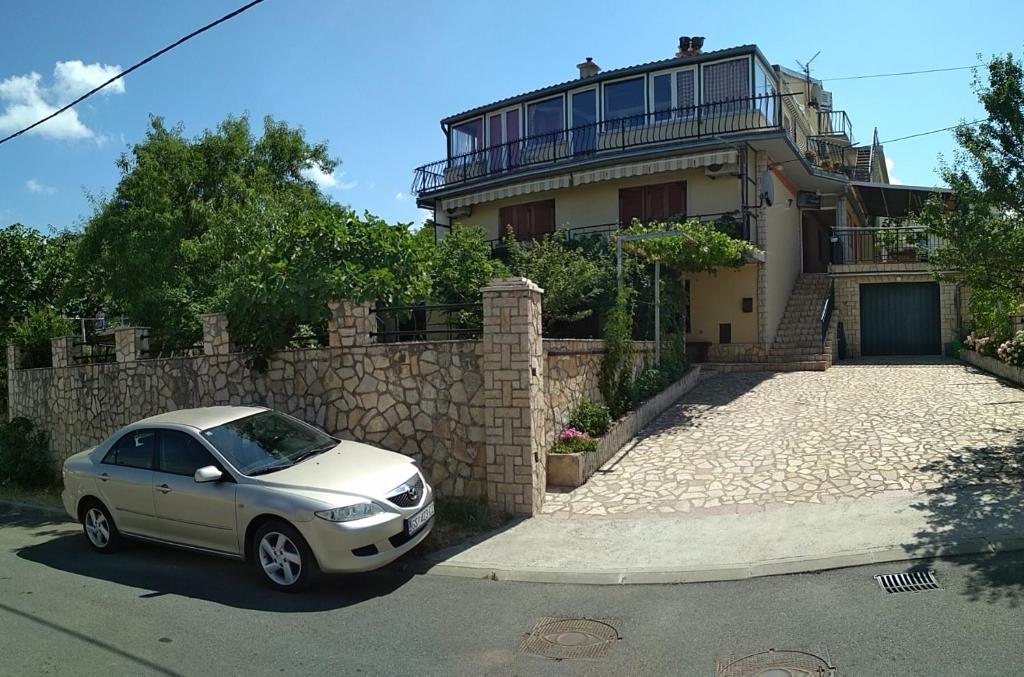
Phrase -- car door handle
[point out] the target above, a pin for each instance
(104, 476)
(164, 488)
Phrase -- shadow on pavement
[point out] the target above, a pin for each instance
(981, 497)
(160, 571)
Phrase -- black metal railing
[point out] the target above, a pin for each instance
(160, 345)
(910, 244)
(830, 156)
(722, 118)
(93, 353)
(835, 123)
(422, 322)
(826, 312)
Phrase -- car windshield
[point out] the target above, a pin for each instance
(267, 441)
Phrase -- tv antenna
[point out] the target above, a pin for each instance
(806, 67)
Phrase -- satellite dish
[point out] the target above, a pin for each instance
(767, 188)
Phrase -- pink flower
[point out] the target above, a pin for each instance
(572, 434)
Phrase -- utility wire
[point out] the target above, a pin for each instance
(892, 75)
(934, 131)
(125, 72)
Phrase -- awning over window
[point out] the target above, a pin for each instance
(669, 164)
(893, 200)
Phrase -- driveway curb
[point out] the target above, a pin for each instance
(23, 505)
(718, 572)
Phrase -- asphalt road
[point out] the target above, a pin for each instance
(152, 611)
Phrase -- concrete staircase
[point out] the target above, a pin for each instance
(798, 339)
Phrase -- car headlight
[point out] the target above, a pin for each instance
(348, 513)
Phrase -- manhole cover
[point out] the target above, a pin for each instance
(912, 581)
(569, 638)
(774, 663)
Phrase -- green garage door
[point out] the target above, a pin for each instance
(900, 319)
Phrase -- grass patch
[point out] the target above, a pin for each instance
(47, 497)
(456, 519)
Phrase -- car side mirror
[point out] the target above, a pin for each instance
(208, 473)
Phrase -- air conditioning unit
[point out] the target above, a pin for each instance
(456, 212)
(716, 170)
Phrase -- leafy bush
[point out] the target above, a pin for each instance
(648, 383)
(572, 441)
(461, 265)
(616, 374)
(25, 456)
(590, 417)
(33, 335)
(571, 279)
(1012, 351)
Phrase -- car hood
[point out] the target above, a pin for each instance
(350, 468)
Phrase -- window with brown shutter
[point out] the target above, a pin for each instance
(655, 202)
(529, 221)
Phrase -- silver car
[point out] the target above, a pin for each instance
(253, 484)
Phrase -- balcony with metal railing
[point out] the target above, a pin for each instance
(836, 124)
(661, 128)
(882, 248)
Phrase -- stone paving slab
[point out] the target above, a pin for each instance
(745, 442)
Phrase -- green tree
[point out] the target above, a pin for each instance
(982, 227)
(571, 279)
(170, 192)
(462, 265)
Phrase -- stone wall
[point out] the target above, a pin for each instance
(994, 366)
(422, 399)
(478, 415)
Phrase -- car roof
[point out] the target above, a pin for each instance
(202, 417)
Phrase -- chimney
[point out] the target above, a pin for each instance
(588, 68)
(690, 46)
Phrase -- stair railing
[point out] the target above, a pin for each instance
(826, 312)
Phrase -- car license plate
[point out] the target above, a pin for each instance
(420, 519)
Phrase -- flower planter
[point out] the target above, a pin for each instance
(572, 470)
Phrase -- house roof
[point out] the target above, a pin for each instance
(607, 75)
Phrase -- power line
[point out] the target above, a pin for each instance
(125, 72)
(892, 75)
(934, 131)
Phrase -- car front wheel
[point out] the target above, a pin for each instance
(99, 528)
(284, 557)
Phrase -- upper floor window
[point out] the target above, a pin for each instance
(467, 137)
(545, 117)
(764, 91)
(727, 81)
(673, 91)
(625, 100)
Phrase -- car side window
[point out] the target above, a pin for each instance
(182, 454)
(134, 450)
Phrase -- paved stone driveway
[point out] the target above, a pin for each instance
(741, 442)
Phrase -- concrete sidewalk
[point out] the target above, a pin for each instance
(713, 547)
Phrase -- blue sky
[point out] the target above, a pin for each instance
(374, 78)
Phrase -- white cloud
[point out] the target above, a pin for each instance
(40, 188)
(25, 99)
(327, 181)
(892, 177)
(401, 197)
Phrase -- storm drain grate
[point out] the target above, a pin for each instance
(912, 581)
(564, 638)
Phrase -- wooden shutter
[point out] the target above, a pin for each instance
(675, 197)
(529, 221)
(631, 204)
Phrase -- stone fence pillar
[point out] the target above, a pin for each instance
(216, 339)
(130, 342)
(350, 324)
(13, 357)
(62, 350)
(514, 402)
